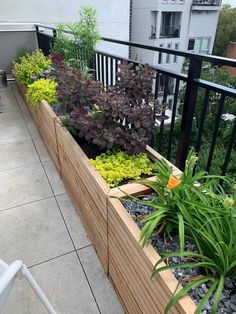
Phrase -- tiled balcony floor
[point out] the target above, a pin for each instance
(39, 225)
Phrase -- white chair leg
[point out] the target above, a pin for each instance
(37, 290)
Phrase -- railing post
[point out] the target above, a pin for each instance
(37, 32)
(194, 72)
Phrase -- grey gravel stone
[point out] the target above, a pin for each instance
(165, 243)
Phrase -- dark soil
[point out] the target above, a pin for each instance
(90, 149)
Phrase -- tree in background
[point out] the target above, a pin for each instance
(226, 29)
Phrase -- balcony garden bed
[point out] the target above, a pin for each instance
(112, 231)
(121, 119)
(131, 266)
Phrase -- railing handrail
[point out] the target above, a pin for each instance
(205, 58)
(105, 66)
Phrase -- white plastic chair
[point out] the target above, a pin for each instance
(8, 274)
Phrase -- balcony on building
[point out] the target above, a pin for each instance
(206, 5)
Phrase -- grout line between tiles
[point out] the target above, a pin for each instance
(50, 259)
(61, 214)
(36, 201)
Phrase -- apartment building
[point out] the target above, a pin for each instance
(188, 25)
(175, 24)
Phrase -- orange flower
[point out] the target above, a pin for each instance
(173, 182)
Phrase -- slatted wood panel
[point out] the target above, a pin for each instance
(46, 126)
(132, 265)
(33, 112)
(44, 118)
(87, 188)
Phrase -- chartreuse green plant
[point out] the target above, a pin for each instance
(30, 65)
(211, 225)
(116, 167)
(42, 89)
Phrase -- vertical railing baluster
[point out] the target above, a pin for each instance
(156, 85)
(116, 69)
(215, 132)
(229, 150)
(111, 65)
(194, 72)
(154, 131)
(102, 70)
(172, 124)
(99, 67)
(107, 73)
(166, 86)
(202, 120)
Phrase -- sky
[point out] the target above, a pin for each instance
(231, 2)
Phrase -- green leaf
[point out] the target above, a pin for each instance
(174, 299)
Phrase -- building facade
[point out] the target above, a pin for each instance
(175, 24)
(187, 25)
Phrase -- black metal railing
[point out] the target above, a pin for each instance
(174, 139)
(207, 2)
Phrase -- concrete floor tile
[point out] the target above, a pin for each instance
(23, 185)
(8, 101)
(14, 133)
(41, 149)
(105, 296)
(17, 154)
(73, 222)
(54, 178)
(63, 282)
(33, 233)
(9, 118)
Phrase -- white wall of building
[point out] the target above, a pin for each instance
(112, 16)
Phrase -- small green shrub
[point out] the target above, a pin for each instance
(78, 49)
(118, 166)
(30, 65)
(42, 89)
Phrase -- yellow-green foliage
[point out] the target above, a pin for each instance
(118, 166)
(30, 65)
(42, 89)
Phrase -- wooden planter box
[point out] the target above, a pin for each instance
(87, 189)
(45, 119)
(23, 90)
(130, 266)
(112, 231)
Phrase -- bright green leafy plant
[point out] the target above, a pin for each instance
(170, 194)
(78, 49)
(211, 225)
(116, 167)
(30, 65)
(42, 89)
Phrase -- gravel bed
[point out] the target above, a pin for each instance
(165, 243)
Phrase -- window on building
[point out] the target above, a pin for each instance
(168, 55)
(191, 44)
(160, 55)
(153, 24)
(170, 24)
(176, 57)
(170, 103)
(199, 45)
